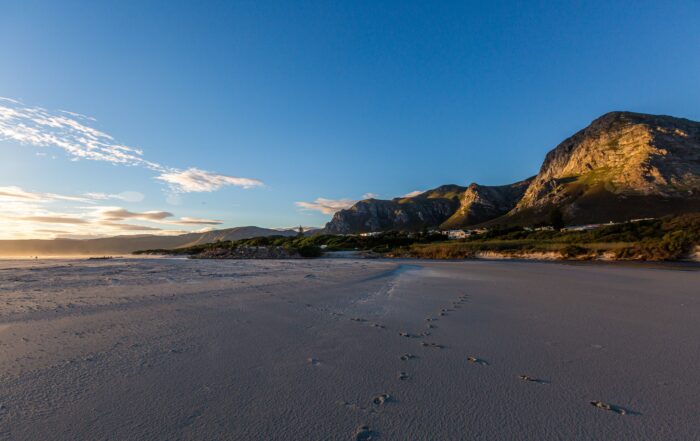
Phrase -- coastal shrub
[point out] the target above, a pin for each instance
(573, 251)
(309, 251)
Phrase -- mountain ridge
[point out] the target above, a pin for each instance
(623, 165)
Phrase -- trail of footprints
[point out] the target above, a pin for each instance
(364, 433)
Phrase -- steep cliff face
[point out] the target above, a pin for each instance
(449, 206)
(428, 209)
(481, 203)
(621, 166)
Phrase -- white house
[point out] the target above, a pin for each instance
(457, 234)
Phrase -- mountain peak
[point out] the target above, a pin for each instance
(620, 155)
(623, 165)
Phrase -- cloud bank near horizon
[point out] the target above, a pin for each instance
(28, 214)
(74, 134)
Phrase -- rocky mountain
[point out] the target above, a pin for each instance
(430, 208)
(481, 203)
(448, 206)
(128, 244)
(622, 166)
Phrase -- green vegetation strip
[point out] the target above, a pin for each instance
(669, 238)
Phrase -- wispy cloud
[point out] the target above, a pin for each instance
(54, 219)
(331, 206)
(130, 227)
(114, 214)
(327, 206)
(74, 133)
(118, 214)
(71, 132)
(195, 180)
(12, 193)
(161, 217)
(194, 221)
(126, 196)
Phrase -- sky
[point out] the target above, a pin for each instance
(135, 117)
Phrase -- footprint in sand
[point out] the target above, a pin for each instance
(532, 379)
(363, 434)
(191, 419)
(358, 319)
(381, 399)
(477, 361)
(605, 406)
(403, 376)
(431, 326)
(313, 361)
(356, 407)
(406, 357)
(378, 325)
(426, 344)
(430, 319)
(406, 334)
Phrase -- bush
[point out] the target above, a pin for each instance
(572, 251)
(309, 251)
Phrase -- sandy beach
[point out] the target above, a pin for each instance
(343, 349)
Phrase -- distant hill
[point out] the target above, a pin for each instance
(129, 244)
(622, 166)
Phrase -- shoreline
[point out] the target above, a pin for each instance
(680, 265)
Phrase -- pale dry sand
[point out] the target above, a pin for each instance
(165, 349)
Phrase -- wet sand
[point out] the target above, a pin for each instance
(341, 349)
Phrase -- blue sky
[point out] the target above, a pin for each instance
(246, 109)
